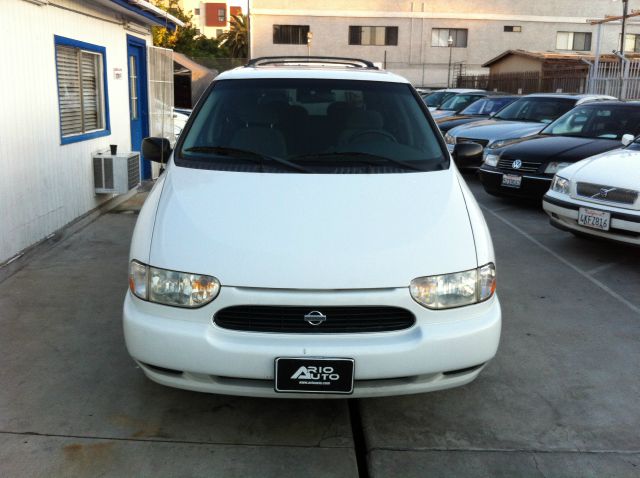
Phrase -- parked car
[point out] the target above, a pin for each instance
(180, 118)
(526, 168)
(271, 260)
(436, 98)
(456, 104)
(524, 117)
(477, 111)
(599, 196)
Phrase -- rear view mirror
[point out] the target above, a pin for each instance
(627, 139)
(156, 149)
(466, 154)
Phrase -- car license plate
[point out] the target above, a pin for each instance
(594, 218)
(511, 180)
(314, 375)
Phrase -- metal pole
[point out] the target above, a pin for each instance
(596, 63)
(249, 29)
(625, 6)
(450, 42)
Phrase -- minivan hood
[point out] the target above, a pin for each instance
(494, 130)
(312, 231)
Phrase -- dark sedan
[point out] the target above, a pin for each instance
(526, 168)
(481, 109)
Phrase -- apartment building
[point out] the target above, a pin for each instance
(420, 40)
(212, 18)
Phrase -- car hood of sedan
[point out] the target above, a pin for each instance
(619, 168)
(558, 148)
(495, 130)
(312, 231)
(438, 114)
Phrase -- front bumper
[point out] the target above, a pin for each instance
(532, 186)
(563, 214)
(185, 349)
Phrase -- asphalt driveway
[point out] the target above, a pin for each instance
(560, 399)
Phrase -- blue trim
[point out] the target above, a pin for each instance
(157, 19)
(143, 96)
(58, 40)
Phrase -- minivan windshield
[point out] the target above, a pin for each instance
(536, 109)
(312, 126)
(602, 121)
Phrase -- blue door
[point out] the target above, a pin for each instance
(138, 104)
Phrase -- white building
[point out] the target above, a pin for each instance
(74, 80)
(411, 38)
(212, 18)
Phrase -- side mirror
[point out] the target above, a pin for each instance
(466, 154)
(627, 139)
(156, 149)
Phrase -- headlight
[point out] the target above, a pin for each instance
(560, 185)
(449, 139)
(501, 143)
(491, 159)
(167, 287)
(553, 168)
(455, 290)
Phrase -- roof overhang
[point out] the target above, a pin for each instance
(143, 11)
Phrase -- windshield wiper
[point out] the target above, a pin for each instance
(252, 156)
(361, 158)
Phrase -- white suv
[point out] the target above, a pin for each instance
(311, 235)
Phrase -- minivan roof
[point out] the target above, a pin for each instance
(327, 72)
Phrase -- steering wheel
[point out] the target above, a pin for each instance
(379, 132)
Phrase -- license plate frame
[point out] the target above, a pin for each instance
(594, 219)
(511, 181)
(314, 375)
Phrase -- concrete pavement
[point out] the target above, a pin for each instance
(560, 399)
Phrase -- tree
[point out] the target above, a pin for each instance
(236, 39)
(185, 39)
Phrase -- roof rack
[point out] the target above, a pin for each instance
(333, 60)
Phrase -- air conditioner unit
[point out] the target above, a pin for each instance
(116, 174)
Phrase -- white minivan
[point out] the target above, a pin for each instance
(311, 236)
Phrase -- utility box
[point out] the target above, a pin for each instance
(116, 174)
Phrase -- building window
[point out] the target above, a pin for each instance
(196, 11)
(373, 35)
(82, 91)
(222, 14)
(290, 34)
(576, 41)
(219, 32)
(440, 37)
(513, 28)
(631, 43)
(197, 31)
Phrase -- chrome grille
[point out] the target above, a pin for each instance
(527, 166)
(483, 142)
(607, 193)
